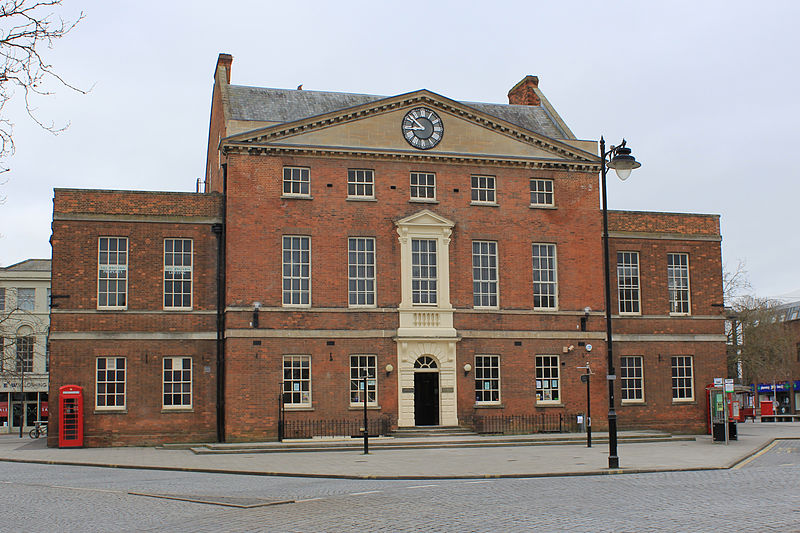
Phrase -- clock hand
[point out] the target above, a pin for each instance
(419, 126)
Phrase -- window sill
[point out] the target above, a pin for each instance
(296, 306)
(123, 411)
(485, 204)
(298, 408)
(489, 406)
(177, 309)
(362, 307)
(632, 402)
(296, 197)
(177, 410)
(423, 201)
(540, 404)
(684, 402)
(359, 199)
(112, 308)
(535, 206)
(680, 314)
(361, 407)
(486, 307)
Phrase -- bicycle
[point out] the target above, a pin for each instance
(38, 430)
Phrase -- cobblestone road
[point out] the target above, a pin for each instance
(761, 495)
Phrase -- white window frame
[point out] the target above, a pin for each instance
(24, 352)
(358, 364)
(297, 273)
(171, 270)
(680, 388)
(361, 272)
(542, 192)
(678, 284)
(485, 186)
(180, 377)
(549, 365)
(545, 275)
(485, 283)
(26, 298)
(424, 274)
(298, 181)
(298, 381)
(361, 183)
(114, 381)
(428, 186)
(105, 268)
(630, 383)
(628, 283)
(487, 379)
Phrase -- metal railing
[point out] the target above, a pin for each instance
(524, 424)
(306, 429)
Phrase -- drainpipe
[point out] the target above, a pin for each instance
(219, 231)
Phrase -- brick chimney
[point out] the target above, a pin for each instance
(224, 61)
(524, 92)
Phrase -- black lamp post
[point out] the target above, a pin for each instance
(620, 159)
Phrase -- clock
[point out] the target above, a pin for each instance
(422, 128)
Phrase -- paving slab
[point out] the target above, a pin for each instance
(428, 463)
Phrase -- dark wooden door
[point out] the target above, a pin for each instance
(426, 398)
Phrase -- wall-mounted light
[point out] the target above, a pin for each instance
(389, 369)
(585, 317)
(467, 368)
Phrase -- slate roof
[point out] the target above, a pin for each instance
(287, 105)
(30, 265)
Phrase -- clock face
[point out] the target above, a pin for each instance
(422, 128)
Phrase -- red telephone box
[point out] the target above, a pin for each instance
(70, 416)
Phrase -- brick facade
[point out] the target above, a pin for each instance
(246, 177)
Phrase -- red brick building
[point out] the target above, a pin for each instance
(451, 251)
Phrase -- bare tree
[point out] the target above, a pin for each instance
(27, 29)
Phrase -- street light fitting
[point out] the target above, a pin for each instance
(622, 161)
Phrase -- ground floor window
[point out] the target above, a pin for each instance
(177, 382)
(110, 383)
(297, 380)
(360, 366)
(548, 388)
(487, 379)
(682, 378)
(631, 378)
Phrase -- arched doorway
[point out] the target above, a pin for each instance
(426, 391)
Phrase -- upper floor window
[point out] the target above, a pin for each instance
(296, 181)
(177, 273)
(296, 270)
(26, 299)
(423, 271)
(484, 273)
(2, 298)
(483, 190)
(112, 272)
(423, 186)
(541, 192)
(545, 282)
(361, 271)
(360, 183)
(678, 283)
(24, 356)
(628, 282)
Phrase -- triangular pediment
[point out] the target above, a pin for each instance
(427, 218)
(376, 128)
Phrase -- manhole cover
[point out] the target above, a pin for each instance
(228, 501)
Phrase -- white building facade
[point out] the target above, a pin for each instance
(24, 327)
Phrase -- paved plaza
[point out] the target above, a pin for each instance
(749, 484)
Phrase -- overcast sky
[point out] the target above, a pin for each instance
(706, 93)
